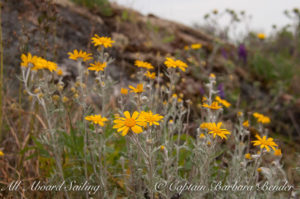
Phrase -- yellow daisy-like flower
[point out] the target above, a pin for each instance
(39, 64)
(204, 99)
(216, 130)
(172, 63)
(265, 143)
(28, 60)
(150, 75)
(124, 91)
(143, 64)
(213, 106)
(261, 118)
(96, 119)
(196, 46)
(1, 153)
(222, 101)
(246, 123)
(201, 136)
(81, 55)
(150, 118)
(248, 156)
(138, 89)
(162, 147)
(102, 41)
(186, 47)
(277, 152)
(205, 125)
(51, 66)
(97, 66)
(133, 123)
(261, 36)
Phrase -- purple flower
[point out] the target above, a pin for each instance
(221, 90)
(242, 52)
(224, 53)
(202, 91)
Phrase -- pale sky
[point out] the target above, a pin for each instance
(264, 13)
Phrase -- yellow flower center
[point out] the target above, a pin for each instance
(129, 122)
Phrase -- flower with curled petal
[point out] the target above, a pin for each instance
(96, 119)
(79, 55)
(172, 63)
(97, 66)
(150, 75)
(28, 60)
(213, 106)
(265, 142)
(216, 130)
(139, 88)
(261, 118)
(143, 64)
(150, 118)
(102, 41)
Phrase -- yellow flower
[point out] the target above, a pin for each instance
(204, 99)
(211, 75)
(138, 89)
(40, 63)
(174, 95)
(142, 64)
(81, 55)
(261, 118)
(215, 129)
(248, 156)
(246, 123)
(240, 113)
(222, 101)
(97, 66)
(51, 66)
(124, 91)
(186, 47)
(201, 136)
(65, 99)
(150, 75)
(204, 125)
(1, 153)
(196, 46)
(172, 63)
(265, 143)
(259, 169)
(59, 72)
(150, 118)
(277, 152)
(213, 106)
(55, 98)
(102, 41)
(28, 60)
(162, 147)
(171, 122)
(133, 123)
(96, 119)
(261, 36)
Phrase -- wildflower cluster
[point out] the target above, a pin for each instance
(142, 134)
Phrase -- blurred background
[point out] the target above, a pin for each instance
(262, 15)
